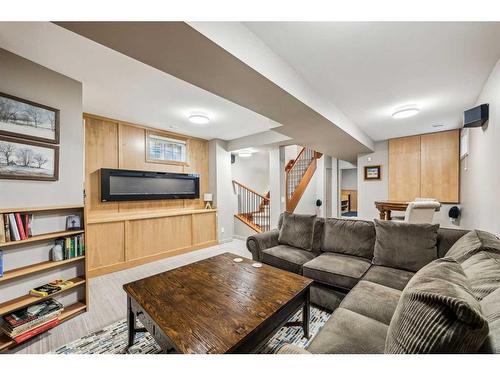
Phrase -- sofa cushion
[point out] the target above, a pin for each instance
(483, 271)
(403, 245)
(350, 237)
(388, 276)
(447, 238)
(337, 270)
(287, 258)
(372, 300)
(325, 297)
(297, 230)
(490, 307)
(472, 243)
(437, 313)
(347, 332)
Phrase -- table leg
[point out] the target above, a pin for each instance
(130, 323)
(388, 215)
(306, 315)
(382, 214)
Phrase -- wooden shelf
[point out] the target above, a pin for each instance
(38, 267)
(70, 311)
(41, 237)
(26, 300)
(124, 216)
(40, 209)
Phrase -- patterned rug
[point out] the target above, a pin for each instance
(113, 338)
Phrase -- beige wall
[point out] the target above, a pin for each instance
(27, 80)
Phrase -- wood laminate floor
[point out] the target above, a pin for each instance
(108, 300)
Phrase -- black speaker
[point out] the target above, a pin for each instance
(476, 116)
(233, 158)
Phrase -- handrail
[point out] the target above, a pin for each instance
(297, 158)
(251, 190)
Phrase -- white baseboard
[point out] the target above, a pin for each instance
(238, 237)
(226, 240)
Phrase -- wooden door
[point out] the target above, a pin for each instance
(404, 168)
(440, 166)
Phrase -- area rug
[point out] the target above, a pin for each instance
(113, 338)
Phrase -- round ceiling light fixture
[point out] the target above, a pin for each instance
(199, 118)
(244, 154)
(405, 112)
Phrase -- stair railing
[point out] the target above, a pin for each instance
(253, 208)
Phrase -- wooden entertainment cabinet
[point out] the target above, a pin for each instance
(121, 235)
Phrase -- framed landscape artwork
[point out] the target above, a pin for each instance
(24, 119)
(372, 172)
(26, 160)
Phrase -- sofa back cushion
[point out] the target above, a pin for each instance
(297, 231)
(472, 243)
(447, 238)
(483, 271)
(437, 313)
(350, 237)
(405, 246)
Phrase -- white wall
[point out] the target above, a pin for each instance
(371, 191)
(252, 171)
(480, 171)
(219, 165)
(27, 80)
(349, 179)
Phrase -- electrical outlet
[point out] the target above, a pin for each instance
(222, 229)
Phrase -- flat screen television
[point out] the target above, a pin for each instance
(129, 185)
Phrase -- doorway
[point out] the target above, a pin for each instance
(348, 183)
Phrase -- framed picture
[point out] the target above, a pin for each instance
(372, 172)
(24, 119)
(27, 160)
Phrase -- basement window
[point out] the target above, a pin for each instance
(161, 149)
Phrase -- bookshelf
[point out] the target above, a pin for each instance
(25, 299)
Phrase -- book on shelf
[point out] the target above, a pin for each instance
(32, 320)
(15, 226)
(1, 263)
(6, 227)
(14, 231)
(73, 246)
(51, 288)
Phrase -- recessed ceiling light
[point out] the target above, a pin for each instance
(405, 112)
(199, 118)
(245, 154)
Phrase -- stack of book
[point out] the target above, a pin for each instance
(51, 288)
(15, 226)
(72, 246)
(30, 321)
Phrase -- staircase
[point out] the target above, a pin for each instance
(253, 208)
(298, 173)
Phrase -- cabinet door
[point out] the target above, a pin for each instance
(440, 166)
(404, 168)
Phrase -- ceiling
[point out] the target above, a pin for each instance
(117, 86)
(369, 69)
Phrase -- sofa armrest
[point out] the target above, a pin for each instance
(292, 349)
(262, 241)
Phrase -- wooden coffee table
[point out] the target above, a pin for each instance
(216, 305)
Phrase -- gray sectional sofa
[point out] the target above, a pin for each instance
(372, 275)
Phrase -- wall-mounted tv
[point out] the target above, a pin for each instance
(129, 185)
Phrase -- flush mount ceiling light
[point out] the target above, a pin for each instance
(244, 154)
(405, 112)
(199, 118)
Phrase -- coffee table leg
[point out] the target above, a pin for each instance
(306, 314)
(130, 323)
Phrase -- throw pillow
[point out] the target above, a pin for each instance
(437, 313)
(472, 243)
(297, 230)
(405, 246)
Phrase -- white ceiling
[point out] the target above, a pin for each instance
(369, 69)
(120, 87)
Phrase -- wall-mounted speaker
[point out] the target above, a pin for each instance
(233, 158)
(476, 117)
